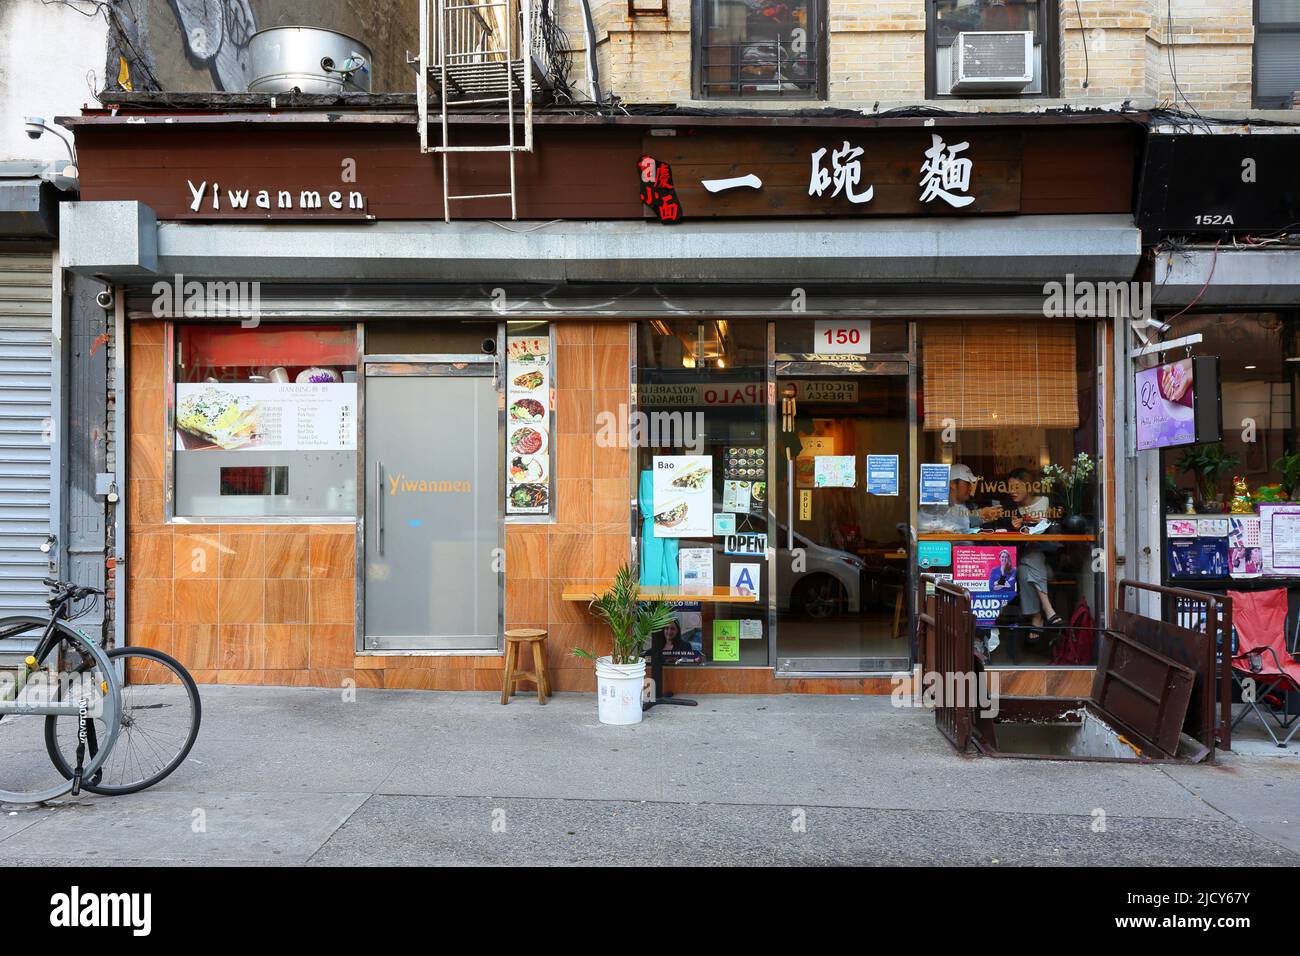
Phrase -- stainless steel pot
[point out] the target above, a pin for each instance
(308, 59)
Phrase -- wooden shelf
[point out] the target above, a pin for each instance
(719, 595)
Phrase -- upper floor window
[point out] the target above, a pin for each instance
(759, 49)
(987, 48)
(1277, 52)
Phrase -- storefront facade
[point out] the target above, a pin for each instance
(363, 442)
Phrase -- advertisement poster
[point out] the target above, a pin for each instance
(528, 421)
(1245, 555)
(1166, 412)
(834, 471)
(744, 580)
(934, 484)
(989, 574)
(934, 554)
(1198, 558)
(882, 475)
(266, 416)
(695, 570)
(726, 641)
(683, 496)
(684, 637)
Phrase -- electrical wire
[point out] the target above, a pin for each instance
(1083, 38)
(1208, 279)
(1173, 64)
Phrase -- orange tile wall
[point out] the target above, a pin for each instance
(274, 604)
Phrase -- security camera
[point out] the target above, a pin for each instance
(104, 299)
(35, 126)
(489, 346)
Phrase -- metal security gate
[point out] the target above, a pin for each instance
(26, 433)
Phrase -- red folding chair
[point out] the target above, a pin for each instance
(1263, 667)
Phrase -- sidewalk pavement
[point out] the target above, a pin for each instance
(301, 776)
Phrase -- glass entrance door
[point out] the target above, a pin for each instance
(842, 595)
(433, 507)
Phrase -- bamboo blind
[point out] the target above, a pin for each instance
(989, 374)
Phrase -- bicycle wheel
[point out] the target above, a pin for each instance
(160, 719)
(82, 676)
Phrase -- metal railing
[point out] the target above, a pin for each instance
(946, 644)
(1194, 613)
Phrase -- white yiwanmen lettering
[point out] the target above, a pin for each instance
(74, 908)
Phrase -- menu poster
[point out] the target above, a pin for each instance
(266, 416)
(735, 495)
(1286, 541)
(695, 570)
(726, 641)
(1277, 545)
(683, 496)
(528, 420)
(882, 475)
(834, 471)
(989, 574)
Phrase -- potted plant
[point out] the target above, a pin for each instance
(1289, 467)
(1071, 483)
(1207, 464)
(621, 674)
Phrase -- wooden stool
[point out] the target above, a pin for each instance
(539, 675)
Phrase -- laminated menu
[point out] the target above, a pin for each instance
(528, 418)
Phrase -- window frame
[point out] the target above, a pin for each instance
(1050, 27)
(1271, 29)
(817, 8)
(170, 517)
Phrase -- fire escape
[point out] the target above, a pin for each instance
(498, 57)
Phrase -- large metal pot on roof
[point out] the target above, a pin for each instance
(307, 59)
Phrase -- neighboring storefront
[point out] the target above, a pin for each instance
(365, 441)
(1221, 514)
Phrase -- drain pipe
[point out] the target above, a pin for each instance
(589, 38)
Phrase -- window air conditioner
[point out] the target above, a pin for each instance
(992, 62)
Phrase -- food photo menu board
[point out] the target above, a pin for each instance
(528, 424)
(266, 416)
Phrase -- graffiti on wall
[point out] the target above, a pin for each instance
(216, 36)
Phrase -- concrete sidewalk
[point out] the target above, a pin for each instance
(294, 776)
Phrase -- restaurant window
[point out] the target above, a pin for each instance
(1277, 53)
(1214, 535)
(745, 49)
(265, 421)
(701, 438)
(992, 66)
(1012, 512)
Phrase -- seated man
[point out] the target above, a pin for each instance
(956, 517)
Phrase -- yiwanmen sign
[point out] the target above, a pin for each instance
(213, 198)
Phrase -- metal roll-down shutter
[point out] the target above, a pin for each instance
(26, 432)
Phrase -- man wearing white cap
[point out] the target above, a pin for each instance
(955, 517)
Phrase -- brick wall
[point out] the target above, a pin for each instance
(876, 54)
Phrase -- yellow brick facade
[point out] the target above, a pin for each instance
(875, 57)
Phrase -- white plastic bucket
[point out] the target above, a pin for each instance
(618, 691)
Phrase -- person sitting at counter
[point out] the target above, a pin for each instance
(1027, 509)
(956, 517)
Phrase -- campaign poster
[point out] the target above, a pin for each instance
(683, 496)
(989, 574)
(684, 636)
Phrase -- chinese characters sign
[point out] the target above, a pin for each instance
(657, 190)
(945, 173)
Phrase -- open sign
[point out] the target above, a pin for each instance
(747, 544)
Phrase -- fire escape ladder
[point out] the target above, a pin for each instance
(478, 56)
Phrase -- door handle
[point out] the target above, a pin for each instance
(789, 503)
(379, 506)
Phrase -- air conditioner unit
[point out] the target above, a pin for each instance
(992, 62)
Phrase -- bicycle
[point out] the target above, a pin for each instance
(107, 705)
